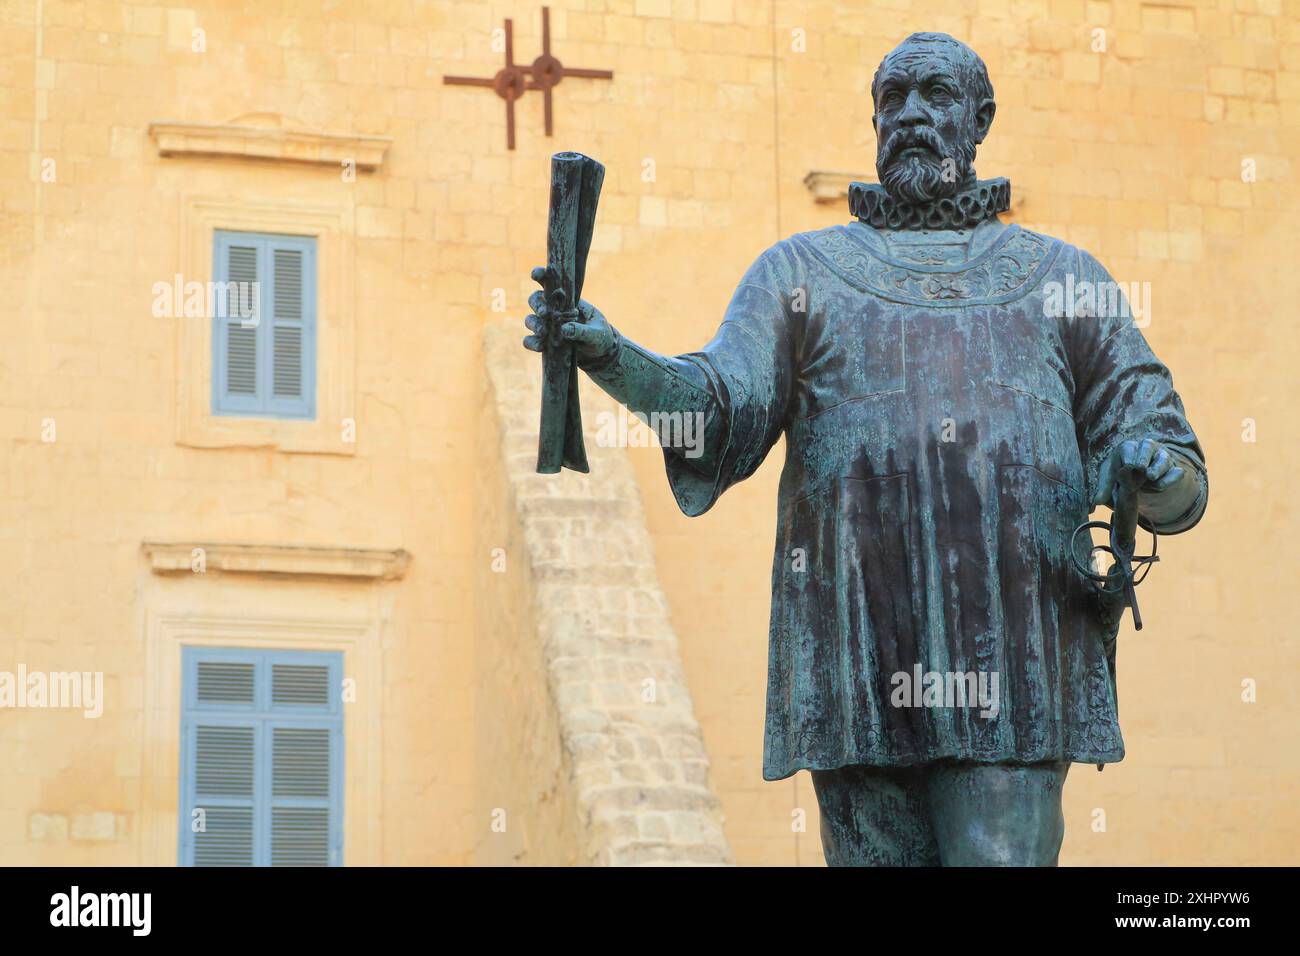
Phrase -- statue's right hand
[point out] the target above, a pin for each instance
(590, 333)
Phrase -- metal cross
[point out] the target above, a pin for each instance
(512, 81)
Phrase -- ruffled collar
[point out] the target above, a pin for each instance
(981, 200)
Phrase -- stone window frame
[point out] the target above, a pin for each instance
(168, 628)
(333, 228)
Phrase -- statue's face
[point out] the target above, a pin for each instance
(928, 122)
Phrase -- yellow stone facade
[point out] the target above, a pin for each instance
(1160, 136)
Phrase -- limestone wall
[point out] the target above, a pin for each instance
(581, 690)
(717, 112)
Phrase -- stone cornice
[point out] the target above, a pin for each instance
(828, 186)
(174, 557)
(270, 142)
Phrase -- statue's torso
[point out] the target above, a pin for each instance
(917, 340)
(933, 477)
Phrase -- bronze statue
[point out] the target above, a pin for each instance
(957, 394)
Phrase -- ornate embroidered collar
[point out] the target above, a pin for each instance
(1010, 267)
(979, 201)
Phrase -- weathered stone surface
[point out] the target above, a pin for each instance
(634, 759)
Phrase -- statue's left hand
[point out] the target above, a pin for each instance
(1145, 466)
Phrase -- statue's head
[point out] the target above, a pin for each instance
(933, 107)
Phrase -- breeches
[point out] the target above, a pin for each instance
(942, 814)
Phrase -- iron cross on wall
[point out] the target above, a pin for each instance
(511, 81)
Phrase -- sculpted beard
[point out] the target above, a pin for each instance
(918, 177)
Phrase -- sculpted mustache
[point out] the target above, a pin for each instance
(903, 138)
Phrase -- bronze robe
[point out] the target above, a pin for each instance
(943, 436)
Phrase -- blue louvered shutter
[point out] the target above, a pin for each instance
(262, 758)
(302, 755)
(235, 380)
(265, 367)
(222, 788)
(291, 333)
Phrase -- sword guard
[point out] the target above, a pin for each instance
(1128, 570)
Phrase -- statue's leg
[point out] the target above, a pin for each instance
(874, 816)
(997, 814)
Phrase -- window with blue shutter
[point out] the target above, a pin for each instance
(261, 758)
(264, 325)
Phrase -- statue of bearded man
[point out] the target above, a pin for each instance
(953, 408)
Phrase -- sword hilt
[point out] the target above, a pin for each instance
(1124, 576)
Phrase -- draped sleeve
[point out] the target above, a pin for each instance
(1122, 391)
(749, 367)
